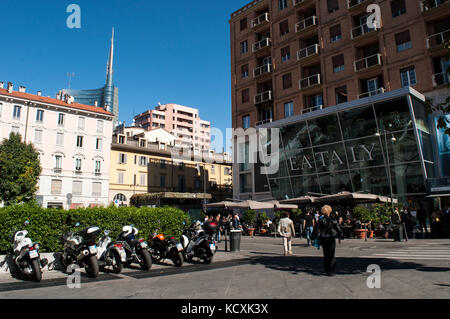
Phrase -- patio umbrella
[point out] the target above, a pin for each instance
(386, 199)
(299, 200)
(223, 204)
(279, 205)
(347, 196)
(251, 204)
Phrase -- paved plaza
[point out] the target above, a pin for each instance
(419, 268)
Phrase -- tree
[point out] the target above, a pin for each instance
(19, 170)
(443, 107)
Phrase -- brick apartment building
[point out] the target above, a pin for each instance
(289, 57)
(182, 121)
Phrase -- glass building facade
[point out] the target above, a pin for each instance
(358, 147)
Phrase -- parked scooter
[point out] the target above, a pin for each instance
(163, 248)
(198, 243)
(80, 248)
(136, 249)
(26, 255)
(111, 254)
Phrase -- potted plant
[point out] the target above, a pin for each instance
(262, 218)
(250, 217)
(382, 213)
(365, 216)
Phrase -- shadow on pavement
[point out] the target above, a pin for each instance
(344, 265)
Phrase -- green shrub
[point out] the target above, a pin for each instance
(262, 217)
(250, 216)
(48, 225)
(364, 214)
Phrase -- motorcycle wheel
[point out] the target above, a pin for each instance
(177, 259)
(36, 270)
(208, 259)
(91, 266)
(146, 262)
(117, 265)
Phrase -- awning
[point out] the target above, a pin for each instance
(251, 204)
(438, 195)
(353, 197)
(299, 200)
(279, 205)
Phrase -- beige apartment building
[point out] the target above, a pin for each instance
(182, 121)
(289, 57)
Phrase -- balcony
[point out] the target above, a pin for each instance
(310, 51)
(57, 170)
(312, 109)
(356, 4)
(437, 40)
(307, 24)
(262, 70)
(78, 172)
(361, 31)
(441, 79)
(263, 97)
(310, 81)
(264, 43)
(97, 173)
(263, 122)
(435, 9)
(371, 93)
(260, 21)
(368, 62)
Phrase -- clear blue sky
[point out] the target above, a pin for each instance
(169, 52)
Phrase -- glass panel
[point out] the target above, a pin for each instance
(330, 158)
(358, 123)
(295, 136)
(324, 130)
(407, 179)
(372, 180)
(430, 170)
(425, 142)
(403, 148)
(246, 183)
(393, 115)
(280, 188)
(300, 162)
(301, 185)
(363, 153)
(335, 182)
(420, 115)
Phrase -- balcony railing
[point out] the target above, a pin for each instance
(312, 109)
(263, 18)
(372, 93)
(353, 3)
(264, 122)
(307, 52)
(97, 173)
(264, 43)
(367, 62)
(304, 24)
(263, 97)
(310, 81)
(78, 172)
(430, 4)
(57, 170)
(264, 69)
(441, 79)
(361, 30)
(438, 39)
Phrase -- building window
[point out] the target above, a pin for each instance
(81, 122)
(39, 116)
(180, 166)
(15, 129)
(142, 179)
(287, 81)
(314, 100)
(56, 186)
(78, 164)
(288, 109)
(403, 41)
(338, 63)
(162, 163)
(122, 158)
(282, 4)
(244, 47)
(121, 139)
(142, 160)
(60, 139)
(244, 71)
(38, 136)
(341, 94)
(98, 144)
(243, 24)
(408, 76)
(58, 161)
(162, 181)
(77, 188)
(335, 33)
(61, 117)
(246, 121)
(284, 27)
(142, 142)
(285, 54)
(1, 106)
(96, 189)
(197, 184)
(16, 112)
(245, 95)
(119, 177)
(97, 166)
(79, 141)
(398, 7)
(333, 5)
(99, 126)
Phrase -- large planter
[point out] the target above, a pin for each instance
(360, 233)
(251, 231)
(370, 234)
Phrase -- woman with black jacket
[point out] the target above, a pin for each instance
(327, 229)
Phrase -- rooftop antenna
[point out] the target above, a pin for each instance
(70, 76)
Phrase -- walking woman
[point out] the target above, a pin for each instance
(286, 230)
(327, 229)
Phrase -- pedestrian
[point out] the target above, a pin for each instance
(446, 222)
(435, 220)
(235, 223)
(397, 225)
(327, 230)
(308, 226)
(218, 221)
(422, 219)
(286, 230)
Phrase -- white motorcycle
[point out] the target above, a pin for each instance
(198, 243)
(26, 255)
(111, 253)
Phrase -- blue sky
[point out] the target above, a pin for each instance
(165, 51)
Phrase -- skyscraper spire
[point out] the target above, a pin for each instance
(109, 70)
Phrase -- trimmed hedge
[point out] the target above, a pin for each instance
(48, 225)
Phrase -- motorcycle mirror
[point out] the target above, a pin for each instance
(27, 222)
(77, 224)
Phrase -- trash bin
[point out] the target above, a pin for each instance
(235, 240)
